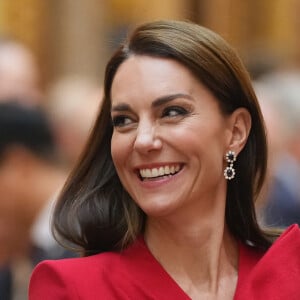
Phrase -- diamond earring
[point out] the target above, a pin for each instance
(229, 171)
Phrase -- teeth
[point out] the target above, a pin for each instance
(161, 171)
(167, 170)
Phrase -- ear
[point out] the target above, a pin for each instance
(240, 123)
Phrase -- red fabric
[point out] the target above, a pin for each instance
(135, 274)
(132, 274)
(276, 275)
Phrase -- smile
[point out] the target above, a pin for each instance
(162, 171)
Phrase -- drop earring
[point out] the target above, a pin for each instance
(229, 171)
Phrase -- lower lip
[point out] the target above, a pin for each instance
(154, 183)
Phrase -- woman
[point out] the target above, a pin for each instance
(162, 201)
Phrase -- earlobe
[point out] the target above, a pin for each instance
(240, 126)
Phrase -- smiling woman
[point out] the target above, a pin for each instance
(164, 107)
(162, 200)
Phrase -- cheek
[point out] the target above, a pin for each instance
(119, 150)
(115, 150)
(204, 143)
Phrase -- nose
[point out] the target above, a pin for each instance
(147, 138)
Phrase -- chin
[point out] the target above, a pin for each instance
(157, 210)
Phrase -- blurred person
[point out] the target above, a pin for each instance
(29, 179)
(275, 128)
(72, 104)
(161, 203)
(19, 73)
(279, 95)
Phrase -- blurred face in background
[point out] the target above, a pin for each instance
(19, 74)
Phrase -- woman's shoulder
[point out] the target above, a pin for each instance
(291, 233)
(86, 264)
(283, 256)
(75, 269)
(81, 277)
(286, 247)
(74, 278)
(274, 274)
(98, 262)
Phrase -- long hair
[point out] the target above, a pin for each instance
(94, 211)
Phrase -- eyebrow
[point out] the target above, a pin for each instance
(165, 99)
(157, 102)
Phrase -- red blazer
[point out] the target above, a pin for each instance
(136, 274)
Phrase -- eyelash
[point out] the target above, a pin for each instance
(168, 112)
(120, 121)
(179, 111)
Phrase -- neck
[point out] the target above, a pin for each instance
(200, 255)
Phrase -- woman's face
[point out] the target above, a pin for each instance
(169, 137)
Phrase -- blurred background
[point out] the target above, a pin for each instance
(52, 59)
(70, 37)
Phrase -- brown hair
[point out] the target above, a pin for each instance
(94, 211)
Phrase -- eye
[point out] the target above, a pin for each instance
(121, 121)
(174, 111)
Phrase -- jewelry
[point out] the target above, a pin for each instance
(229, 171)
